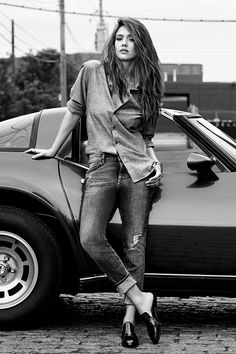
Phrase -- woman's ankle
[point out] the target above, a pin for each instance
(129, 314)
(141, 300)
(128, 319)
(145, 303)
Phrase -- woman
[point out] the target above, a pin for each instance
(120, 97)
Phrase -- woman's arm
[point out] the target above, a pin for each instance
(67, 124)
(155, 180)
(151, 153)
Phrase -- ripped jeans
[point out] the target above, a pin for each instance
(108, 185)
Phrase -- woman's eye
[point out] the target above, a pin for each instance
(118, 38)
(131, 40)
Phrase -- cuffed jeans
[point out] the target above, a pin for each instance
(108, 185)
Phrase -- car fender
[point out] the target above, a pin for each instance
(24, 182)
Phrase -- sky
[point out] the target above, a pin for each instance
(212, 44)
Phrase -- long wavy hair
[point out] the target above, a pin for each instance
(146, 68)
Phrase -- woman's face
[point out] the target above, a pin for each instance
(124, 45)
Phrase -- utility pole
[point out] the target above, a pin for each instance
(62, 55)
(101, 34)
(13, 46)
(101, 12)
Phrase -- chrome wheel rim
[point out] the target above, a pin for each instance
(18, 269)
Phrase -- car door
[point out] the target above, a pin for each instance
(192, 226)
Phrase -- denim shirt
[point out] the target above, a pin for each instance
(113, 126)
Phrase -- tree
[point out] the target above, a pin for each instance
(8, 91)
(35, 85)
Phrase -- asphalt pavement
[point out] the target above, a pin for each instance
(91, 323)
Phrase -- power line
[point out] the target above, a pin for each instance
(35, 39)
(30, 55)
(30, 35)
(23, 41)
(40, 59)
(71, 34)
(22, 29)
(73, 37)
(115, 16)
(7, 29)
(27, 44)
(5, 15)
(17, 37)
(2, 35)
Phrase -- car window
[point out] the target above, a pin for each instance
(49, 123)
(173, 149)
(79, 143)
(15, 133)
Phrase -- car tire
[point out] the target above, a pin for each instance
(30, 266)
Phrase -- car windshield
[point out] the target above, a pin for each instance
(227, 143)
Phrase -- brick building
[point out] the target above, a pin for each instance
(211, 99)
(182, 72)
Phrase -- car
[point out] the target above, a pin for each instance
(191, 244)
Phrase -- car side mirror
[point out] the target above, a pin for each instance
(203, 165)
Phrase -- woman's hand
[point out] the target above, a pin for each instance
(67, 124)
(155, 180)
(40, 153)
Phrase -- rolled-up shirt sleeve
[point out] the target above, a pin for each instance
(78, 93)
(148, 134)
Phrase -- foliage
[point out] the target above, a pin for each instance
(35, 85)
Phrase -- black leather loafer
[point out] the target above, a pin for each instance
(129, 337)
(152, 322)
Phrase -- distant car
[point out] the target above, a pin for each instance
(191, 248)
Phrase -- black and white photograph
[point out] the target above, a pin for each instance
(117, 176)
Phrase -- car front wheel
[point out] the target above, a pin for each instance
(30, 266)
